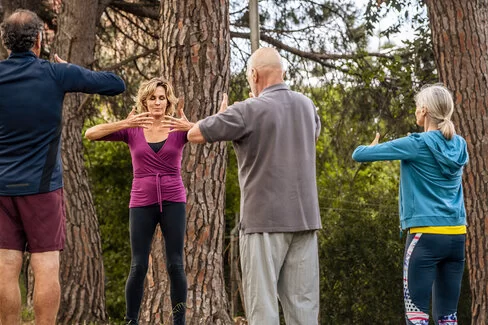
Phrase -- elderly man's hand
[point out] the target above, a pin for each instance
(224, 103)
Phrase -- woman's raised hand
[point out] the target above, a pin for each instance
(376, 139)
(178, 124)
(143, 120)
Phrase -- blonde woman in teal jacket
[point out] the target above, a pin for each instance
(431, 207)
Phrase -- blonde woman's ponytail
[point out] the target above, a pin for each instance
(438, 102)
(447, 128)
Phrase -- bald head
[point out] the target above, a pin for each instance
(21, 30)
(264, 69)
(266, 57)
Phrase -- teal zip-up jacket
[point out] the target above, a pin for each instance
(431, 169)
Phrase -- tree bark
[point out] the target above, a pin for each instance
(3, 15)
(82, 273)
(459, 37)
(195, 57)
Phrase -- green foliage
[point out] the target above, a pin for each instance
(361, 252)
(110, 172)
(238, 92)
(307, 26)
(27, 314)
(360, 248)
(408, 12)
(361, 259)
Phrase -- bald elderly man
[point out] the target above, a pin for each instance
(274, 134)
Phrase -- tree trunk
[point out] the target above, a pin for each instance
(82, 273)
(459, 36)
(195, 57)
(3, 15)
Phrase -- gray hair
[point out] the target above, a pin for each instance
(20, 30)
(437, 100)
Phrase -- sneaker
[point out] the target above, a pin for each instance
(132, 322)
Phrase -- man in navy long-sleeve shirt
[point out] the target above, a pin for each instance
(32, 214)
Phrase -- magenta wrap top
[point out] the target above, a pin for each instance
(157, 176)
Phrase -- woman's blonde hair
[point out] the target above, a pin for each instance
(147, 88)
(437, 100)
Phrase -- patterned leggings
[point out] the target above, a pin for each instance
(433, 266)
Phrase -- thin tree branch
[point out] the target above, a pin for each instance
(300, 53)
(140, 71)
(112, 21)
(102, 5)
(316, 57)
(134, 23)
(280, 31)
(145, 9)
(130, 59)
(240, 11)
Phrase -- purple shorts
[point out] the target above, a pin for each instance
(34, 223)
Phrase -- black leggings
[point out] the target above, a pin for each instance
(142, 223)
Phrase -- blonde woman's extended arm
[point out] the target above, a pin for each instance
(132, 121)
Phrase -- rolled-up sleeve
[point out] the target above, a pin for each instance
(226, 126)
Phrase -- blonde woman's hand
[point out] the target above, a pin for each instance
(143, 120)
(178, 124)
(376, 139)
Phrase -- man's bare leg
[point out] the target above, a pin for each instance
(10, 303)
(47, 291)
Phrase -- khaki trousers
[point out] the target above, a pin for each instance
(282, 266)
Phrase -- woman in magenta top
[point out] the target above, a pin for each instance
(158, 195)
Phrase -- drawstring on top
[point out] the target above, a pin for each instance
(160, 196)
